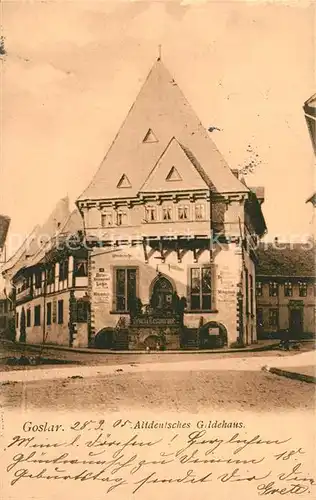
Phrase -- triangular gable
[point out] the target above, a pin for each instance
(173, 164)
(173, 175)
(124, 182)
(161, 107)
(71, 226)
(150, 137)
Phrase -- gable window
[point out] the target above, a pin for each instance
(37, 315)
(302, 287)
(200, 211)
(81, 268)
(151, 213)
(49, 313)
(60, 312)
(274, 318)
(107, 219)
(28, 317)
(125, 288)
(259, 289)
(150, 137)
(167, 213)
(124, 182)
(273, 289)
(121, 218)
(200, 288)
(183, 212)
(173, 175)
(288, 289)
(63, 270)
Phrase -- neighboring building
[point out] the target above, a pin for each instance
(310, 116)
(5, 310)
(49, 276)
(172, 231)
(4, 227)
(6, 306)
(285, 289)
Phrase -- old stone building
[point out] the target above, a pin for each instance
(172, 232)
(49, 277)
(285, 289)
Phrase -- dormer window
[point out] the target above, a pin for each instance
(107, 219)
(167, 213)
(200, 211)
(151, 213)
(121, 218)
(183, 212)
(150, 137)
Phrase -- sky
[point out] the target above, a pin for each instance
(73, 69)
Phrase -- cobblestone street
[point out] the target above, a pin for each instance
(191, 382)
(101, 358)
(191, 391)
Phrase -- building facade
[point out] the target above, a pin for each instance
(171, 230)
(4, 228)
(285, 290)
(50, 277)
(6, 306)
(5, 315)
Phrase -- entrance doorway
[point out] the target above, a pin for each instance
(296, 322)
(161, 299)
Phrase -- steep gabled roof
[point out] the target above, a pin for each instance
(161, 112)
(71, 226)
(51, 226)
(38, 238)
(174, 170)
(286, 260)
(18, 259)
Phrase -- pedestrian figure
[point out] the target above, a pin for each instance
(147, 349)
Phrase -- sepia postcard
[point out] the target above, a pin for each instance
(157, 249)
